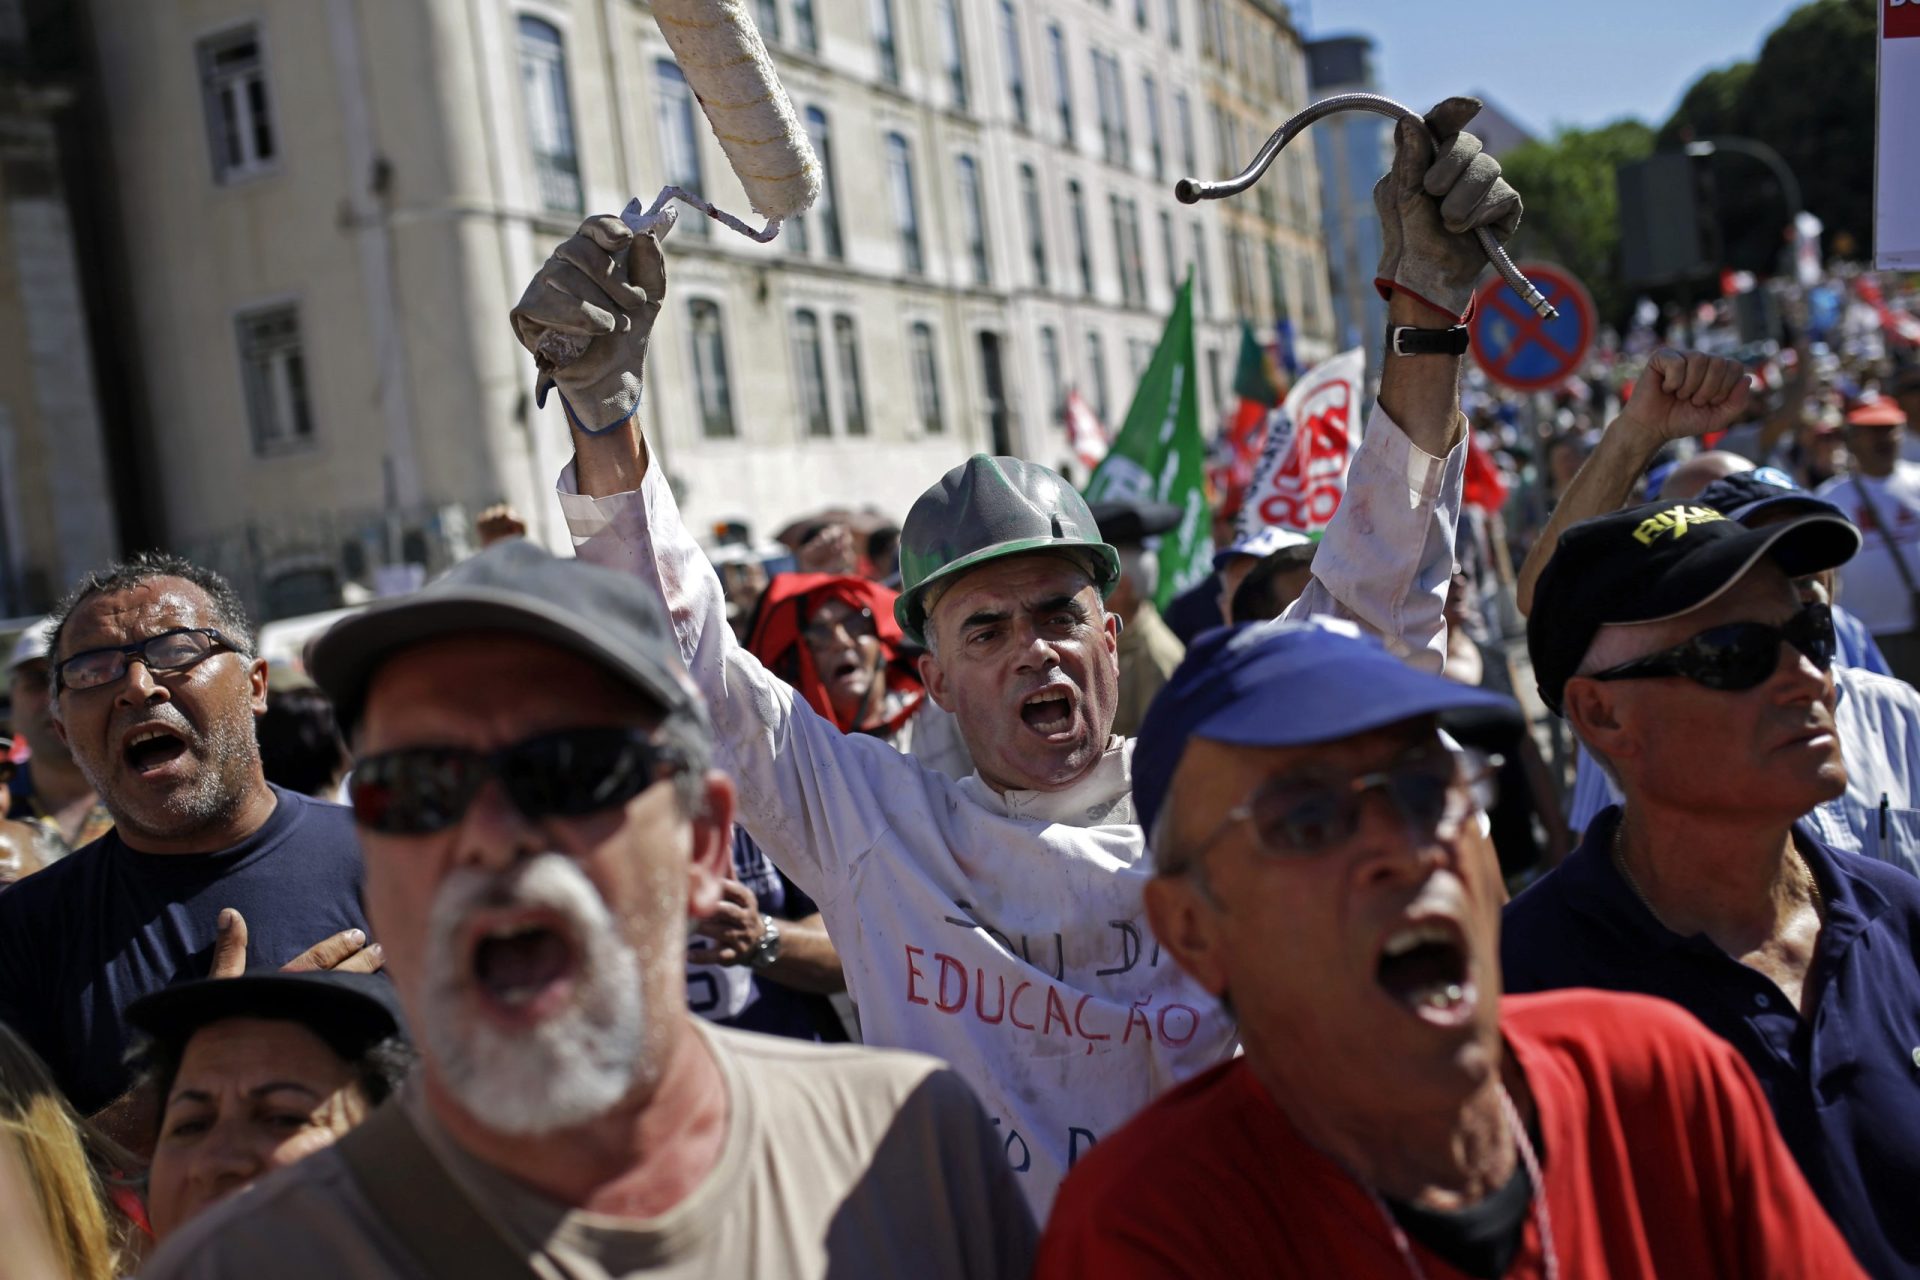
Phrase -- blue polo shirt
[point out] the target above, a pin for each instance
(1844, 1083)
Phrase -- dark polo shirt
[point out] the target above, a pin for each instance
(1844, 1082)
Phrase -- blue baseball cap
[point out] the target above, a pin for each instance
(1285, 684)
(1747, 495)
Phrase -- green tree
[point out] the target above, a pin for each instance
(1809, 96)
(1572, 206)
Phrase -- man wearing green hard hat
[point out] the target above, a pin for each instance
(996, 921)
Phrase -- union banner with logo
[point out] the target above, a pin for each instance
(1302, 473)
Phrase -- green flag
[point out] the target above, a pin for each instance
(1159, 455)
(1251, 380)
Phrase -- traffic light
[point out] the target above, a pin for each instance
(1669, 232)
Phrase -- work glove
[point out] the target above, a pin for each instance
(585, 317)
(1429, 204)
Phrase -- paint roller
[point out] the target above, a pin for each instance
(720, 53)
(726, 65)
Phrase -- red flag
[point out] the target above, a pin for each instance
(1484, 487)
(1085, 432)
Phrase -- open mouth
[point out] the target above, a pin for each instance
(148, 749)
(523, 965)
(1048, 711)
(843, 670)
(1423, 967)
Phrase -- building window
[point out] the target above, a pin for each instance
(1213, 380)
(1016, 65)
(926, 379)
(1201, 276)
(1062, 80)
(233, 82)
(543, 83)
(1173, 24)
(1209, 18)
(711, 385)
(1082, 248)
(804, 32)
(1152, 92)
(826, 208)
(1126, 250)
(1139, 353)
(906, 212)
(679, 135)
(766, 16)
(1170, 253)
(1097, 375)
(1183, 121)
(1140, 14)
(973, 214)
(853, 399)
(1036, 225)
(1112, 98)
(1276, 281)
(1241, 281)
(273, 367)
(883, 41)
(953, 54)
(1050, 367)
(810, 371)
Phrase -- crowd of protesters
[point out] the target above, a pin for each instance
(933, 905)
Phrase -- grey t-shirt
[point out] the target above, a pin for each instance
(838, 1161)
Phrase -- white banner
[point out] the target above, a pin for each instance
(1302, 472)
(1896, 185)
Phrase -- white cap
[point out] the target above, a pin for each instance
(1260, 544)
(33, 644)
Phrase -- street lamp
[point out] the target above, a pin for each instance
(1789, 185)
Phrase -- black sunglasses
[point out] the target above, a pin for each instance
(1737, 656)
(417, 791)
(162, 654)
(1433, 790)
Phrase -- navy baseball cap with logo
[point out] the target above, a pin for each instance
(1285, 684)
(1651, 563)
(1747, 496)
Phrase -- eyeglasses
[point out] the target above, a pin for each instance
(1737, 656)
(858, 625)
(1303, 815)
(417, 791)
(162, 654)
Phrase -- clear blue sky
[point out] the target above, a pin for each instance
(1549, 62)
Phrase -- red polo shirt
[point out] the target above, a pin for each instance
(1658, 1151)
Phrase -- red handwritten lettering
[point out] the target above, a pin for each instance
(1013, 1008)
(913, 971)
(1054, 1002)
(1081, 1027)
(1134, 1015)
(949, 965)
(979, 998)
(1193, 1026)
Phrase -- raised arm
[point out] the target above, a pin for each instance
(1388, 554)
(808, 794)
(1678, 395)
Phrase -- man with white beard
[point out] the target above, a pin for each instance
(539, 822)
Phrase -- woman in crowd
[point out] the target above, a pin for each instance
(89, 1218)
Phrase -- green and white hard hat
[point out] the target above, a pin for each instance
(987, 509)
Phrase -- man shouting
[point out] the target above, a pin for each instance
(996, 921)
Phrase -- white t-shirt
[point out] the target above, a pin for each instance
(1006, 933)
(1870, 583)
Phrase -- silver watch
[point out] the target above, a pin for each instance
(767, 950)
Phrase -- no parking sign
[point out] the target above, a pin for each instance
(1517, 348)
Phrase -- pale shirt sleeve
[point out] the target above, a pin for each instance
(1387, 557)
(808, 794)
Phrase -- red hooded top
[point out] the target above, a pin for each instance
(777, 639)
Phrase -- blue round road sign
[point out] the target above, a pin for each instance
(1517, 348)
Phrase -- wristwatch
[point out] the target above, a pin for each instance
(767, 950)
(1405, 340)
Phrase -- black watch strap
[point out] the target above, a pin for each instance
(1405, 340)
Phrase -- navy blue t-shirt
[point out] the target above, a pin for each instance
(1844, 1082)
(83, 939)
